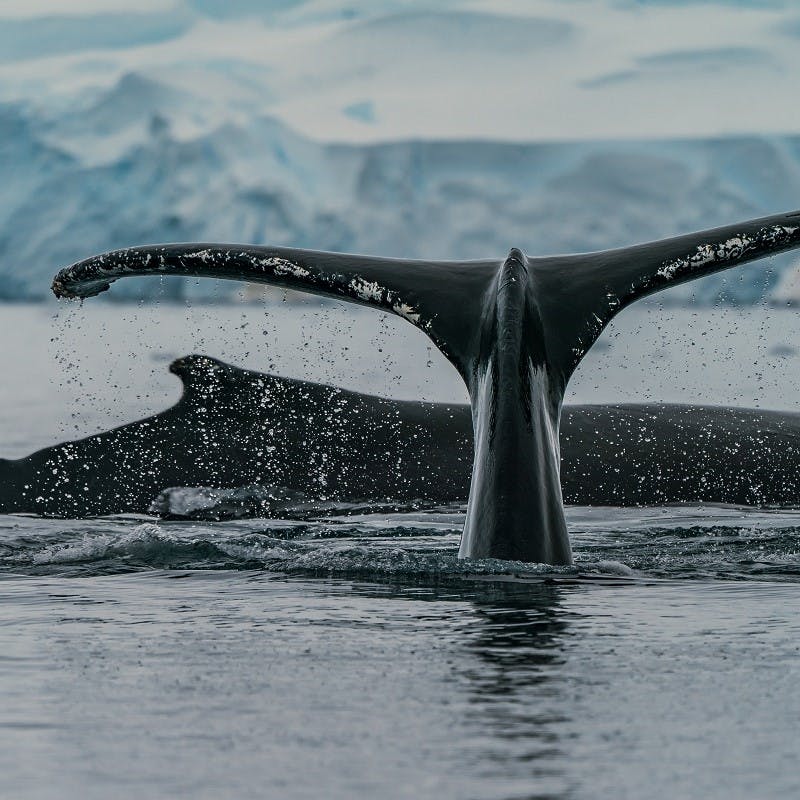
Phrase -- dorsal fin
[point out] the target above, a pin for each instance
(197, 371)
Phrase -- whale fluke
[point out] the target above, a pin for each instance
(515, 329)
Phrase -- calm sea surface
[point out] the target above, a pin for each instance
(357, 657)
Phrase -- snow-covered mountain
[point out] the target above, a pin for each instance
(456, 129)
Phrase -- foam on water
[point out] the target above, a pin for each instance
(668, 543)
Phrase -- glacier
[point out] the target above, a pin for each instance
(262, 182)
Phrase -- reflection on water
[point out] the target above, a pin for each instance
(516, 715)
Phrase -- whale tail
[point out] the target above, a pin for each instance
(515, 329)
(597, 286)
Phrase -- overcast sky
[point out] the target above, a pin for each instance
(371, 70)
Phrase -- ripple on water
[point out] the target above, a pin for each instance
(672, 543)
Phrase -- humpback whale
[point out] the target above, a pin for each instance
(285, 448)
(515, 329)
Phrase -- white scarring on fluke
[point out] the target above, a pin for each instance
(273, 264)
(280, 266)
(373, 292)
(369, 291)
(731, 249)
(206, 256)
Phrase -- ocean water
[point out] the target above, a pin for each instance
(356, 656)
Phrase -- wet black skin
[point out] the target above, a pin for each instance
(516, 403)
(234, 428)
(515, 329)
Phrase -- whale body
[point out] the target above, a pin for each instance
(514, 328)
(299, 445)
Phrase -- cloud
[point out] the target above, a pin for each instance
(682, 62)
(25, 9)
(39, 37)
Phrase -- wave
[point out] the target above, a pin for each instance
(413, 547)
